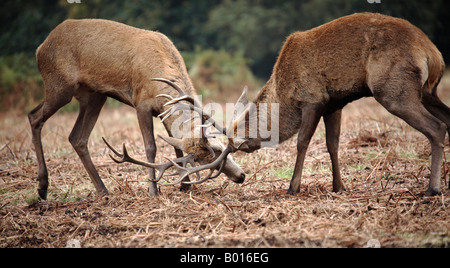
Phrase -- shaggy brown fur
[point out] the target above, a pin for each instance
(321, 70)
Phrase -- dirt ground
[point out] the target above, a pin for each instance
(384, 163)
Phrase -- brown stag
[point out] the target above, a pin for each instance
(94, 59)
(320, 70)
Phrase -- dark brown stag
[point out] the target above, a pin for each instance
(321, 70)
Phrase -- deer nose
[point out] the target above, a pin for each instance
(241, 178)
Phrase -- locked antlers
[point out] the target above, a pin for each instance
(182, 171)
(124, 157)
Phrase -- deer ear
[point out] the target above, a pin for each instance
(241, 104)
(177, 143)
(244, 97)
(240, 144)
(216, 145)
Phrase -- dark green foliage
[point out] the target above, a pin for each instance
(254, 28)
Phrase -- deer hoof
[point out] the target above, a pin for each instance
(339, 189)
(185, 187)
(432, 192)
(153, 190)
(42, 194)
(292, 192)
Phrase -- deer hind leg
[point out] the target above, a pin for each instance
(435, 106)
(310, 118)
(333, 130)
(37, 117)
(402, 100)
(90, 106)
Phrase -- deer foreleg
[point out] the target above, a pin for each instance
(145, 119)
(333, 130)
(310, 118)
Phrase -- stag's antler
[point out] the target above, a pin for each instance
(207, 121)
(183, 95)
(182, 171)
(192, 105)
(125, 157)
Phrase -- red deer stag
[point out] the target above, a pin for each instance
(321, 70)
(94, 59)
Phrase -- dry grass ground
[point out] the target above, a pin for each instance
(384, 163)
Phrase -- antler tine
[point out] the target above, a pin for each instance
(125, 157)
(192, 105)
(207, 177)
(168, 113)
(189, 107)
(183, 172)
(111, 148)
(188, 159)
(167, 81)
(179, 107)
(183, 95)
(164, 96)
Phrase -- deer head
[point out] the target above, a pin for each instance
(206, 150)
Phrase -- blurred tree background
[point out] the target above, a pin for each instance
(225, 43)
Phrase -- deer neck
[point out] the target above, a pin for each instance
(285, 118)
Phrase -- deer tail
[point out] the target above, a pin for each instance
(435, 68)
